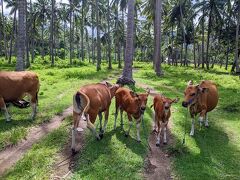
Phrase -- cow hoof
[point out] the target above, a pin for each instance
(98, 138)
(165, 143)
(191, 134)
(139, 141)
(126, 135)
(157, 144)
(207, 126)
(74, 152)
(101, 136)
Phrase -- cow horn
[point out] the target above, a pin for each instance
(190, 83)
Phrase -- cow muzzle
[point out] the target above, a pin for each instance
(142, 109)
(184, 104)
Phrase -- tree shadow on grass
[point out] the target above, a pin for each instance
(213, 155)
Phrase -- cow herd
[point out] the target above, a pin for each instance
(93, 100)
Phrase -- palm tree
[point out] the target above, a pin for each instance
(157, 32)
(126, 77)
(21, 45)
(52, 32)
(98, 36)
(4, 33)
(13, 5)
(109, 36)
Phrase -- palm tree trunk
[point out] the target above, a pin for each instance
(71, 33)
(126, 77)
(158, 37)
(123, 44)
(12, 36)
(4, 33)
(208, 36)
(194, 47)
(203, 60)
(42, 53)
(27, 39)
(109, 37)
(64, 38)
(21, 35)
(236, 58)
(82, 33)
(98, 38)
(52, 30)
(93, 48)
(181, 56)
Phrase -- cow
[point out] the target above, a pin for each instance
(200, 99)
(91, 100)
(16, 85)
(162, 113)
(133, 104)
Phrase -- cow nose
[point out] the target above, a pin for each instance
(184, 104)
(143, 108)
(166, 107)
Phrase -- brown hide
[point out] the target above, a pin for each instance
(205, 97)
(160, 114)
(15, 85)
(133, 104)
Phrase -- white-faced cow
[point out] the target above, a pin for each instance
(202, 99)
(133, 104)
(15, 85)
(91, 100)
(162, 113)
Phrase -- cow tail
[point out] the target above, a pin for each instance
(78, 105)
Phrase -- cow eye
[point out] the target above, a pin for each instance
(193, 94)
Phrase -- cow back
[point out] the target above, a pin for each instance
(15, 85)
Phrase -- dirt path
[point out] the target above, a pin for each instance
(157, 162)
(11, 155)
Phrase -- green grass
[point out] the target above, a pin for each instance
(57, 86)
(212, 153)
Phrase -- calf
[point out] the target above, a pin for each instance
(133, 104)
(202, 99)
(90, 101)
(15, 85)
(162, 114)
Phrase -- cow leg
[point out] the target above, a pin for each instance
(106, 114)
(100, 119)
(3, 106)
(159, 124)
(155, 123)
(192, 128)
(165, 133)
(33, 105)
(206, 120)
(121, 115)
(201, 117)
(138, 129)
(90, 125)
(116, 115)
(130, 125)
(76, 118)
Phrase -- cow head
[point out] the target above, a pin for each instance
(192, 93)
(167, 102)
(141, 100)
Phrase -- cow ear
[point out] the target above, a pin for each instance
(108, 84)
(190, 83)
(133, 94)
(148, 91)
(175, 100)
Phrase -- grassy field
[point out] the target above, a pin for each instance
(212, 153)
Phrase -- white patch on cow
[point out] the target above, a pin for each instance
(206, 121)
(130, 125)
(154, 120)
(165, 135)
(192, 128)
(138, 132)
(200, 121)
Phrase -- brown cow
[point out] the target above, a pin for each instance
(133, 104)
(90, 101)
(202, 99)
(15, 85)
(162, 114)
